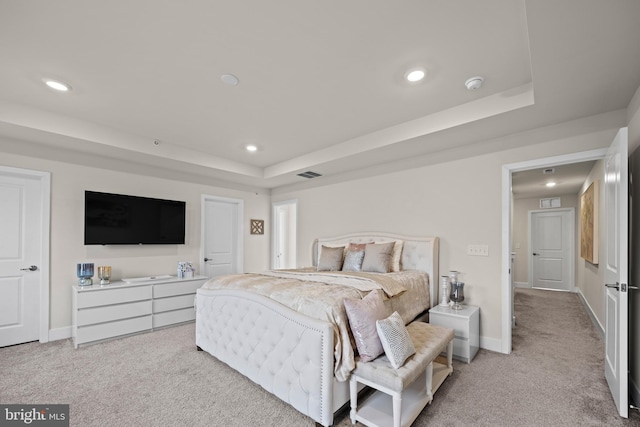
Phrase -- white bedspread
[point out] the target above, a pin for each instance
(321, 295)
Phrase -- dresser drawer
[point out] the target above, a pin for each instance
(113, 296)
(162, 290)
(173, 303)
(173, 317)
(461, 348)
(89, 316)
(460, 325)
(112, 329)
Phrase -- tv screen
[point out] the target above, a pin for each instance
(118, 219)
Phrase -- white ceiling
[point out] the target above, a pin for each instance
(320, 83)
(568, 179)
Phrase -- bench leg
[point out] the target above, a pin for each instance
(429, 377)
(450, 357)
(397, 409)
(353, 391)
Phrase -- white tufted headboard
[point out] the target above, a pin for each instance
(418, 253)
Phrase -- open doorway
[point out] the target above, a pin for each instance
(284, 234)
(513, 277)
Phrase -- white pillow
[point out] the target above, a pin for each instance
(396, 255)
(395, 339)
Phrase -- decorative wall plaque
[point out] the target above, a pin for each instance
(257, 226)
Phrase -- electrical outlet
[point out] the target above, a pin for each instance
(478, 250)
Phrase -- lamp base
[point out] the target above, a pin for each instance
(85, 281)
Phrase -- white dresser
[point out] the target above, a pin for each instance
(466, 326)
(118, 309)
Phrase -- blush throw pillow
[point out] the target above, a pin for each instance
(362, 315)
(377, 257)
(395, 339)
(330, 258)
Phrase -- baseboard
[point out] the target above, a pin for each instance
(60, 333)
(596, 323)
(521, 285)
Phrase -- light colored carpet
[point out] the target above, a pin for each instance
(554, 377)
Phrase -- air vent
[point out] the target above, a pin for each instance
(553, 202)
(548, 170)
(309, 174)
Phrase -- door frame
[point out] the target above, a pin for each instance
(43, 264)
(239, 236)
(572, 244)
(507, 170)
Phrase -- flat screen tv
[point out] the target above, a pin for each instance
(118, 219)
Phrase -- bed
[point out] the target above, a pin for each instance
(287, 330)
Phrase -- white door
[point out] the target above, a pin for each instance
(615, 275)
(284, 234)
(221, 236)
(22, 264)
(551, 256)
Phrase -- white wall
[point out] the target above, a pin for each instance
(68, 183)
(459, 201)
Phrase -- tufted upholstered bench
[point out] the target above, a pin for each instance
(403, 393)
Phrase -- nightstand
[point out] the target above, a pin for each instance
(466, 325)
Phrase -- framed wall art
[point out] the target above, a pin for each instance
(589, 223)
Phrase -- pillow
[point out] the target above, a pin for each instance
(362, 314)
(353, 261)
(377, 257)
(396, 255)
(330, 258)
(395, 339)
(357, 247)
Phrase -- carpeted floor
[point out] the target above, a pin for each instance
(554, 377)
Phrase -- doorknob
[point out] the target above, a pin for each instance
(535, 254)
(616, 286)
(31, 268)
(206, 259)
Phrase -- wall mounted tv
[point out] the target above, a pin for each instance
(118, 219)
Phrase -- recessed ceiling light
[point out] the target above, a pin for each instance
(550, 184)
(57, 85)
(229, 79)
(251, 148)
(415, 75)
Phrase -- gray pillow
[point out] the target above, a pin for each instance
(362, 314)
(353, 261)
(395, 339)
(377, 257)
(330, 258)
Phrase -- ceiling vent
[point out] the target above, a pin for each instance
(309, 174)
(548, 170)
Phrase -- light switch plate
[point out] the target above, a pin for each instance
(478, 250)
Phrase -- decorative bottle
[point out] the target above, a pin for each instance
(444, 291)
